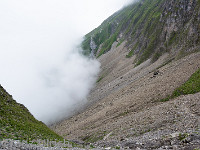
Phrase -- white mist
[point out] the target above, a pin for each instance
(39, 59)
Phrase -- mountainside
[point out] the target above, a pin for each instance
(141, 106)
(16, 122)
(150, 28)
(147, 94)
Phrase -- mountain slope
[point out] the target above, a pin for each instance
(150, 28)
(16, 122)
(147, 94)
(127, 104)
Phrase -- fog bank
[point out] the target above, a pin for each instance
(40, 61)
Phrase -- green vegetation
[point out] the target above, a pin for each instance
(165, 63)
(99, 79)
(107, 33)
(117, 147)
(156, 56)
(183, 136)
(136, 17)
(16, 122)
(172, 38)
(94, 137)
(120, 42)
(107, 44)
(122, 114)
(191, 86)
(165, 99)
(130, 54)
(92, 146)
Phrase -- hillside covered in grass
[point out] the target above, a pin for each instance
(16, 122)
(191, 86)
(150, 28)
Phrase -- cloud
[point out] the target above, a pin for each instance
(64, 86)
(40, 63)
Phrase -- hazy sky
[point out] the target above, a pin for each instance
(39, 60)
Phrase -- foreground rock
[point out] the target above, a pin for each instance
(9, 144)
(176, 141)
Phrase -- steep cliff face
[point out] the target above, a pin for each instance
(150, 28)
(16, 122)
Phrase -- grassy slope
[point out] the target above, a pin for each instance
(16, 122)
(191, 86)
(106, 33)
(143, 26)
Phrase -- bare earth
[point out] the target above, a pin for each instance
(125, 104)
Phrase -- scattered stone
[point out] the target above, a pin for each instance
(108, 148)
(156, 72)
